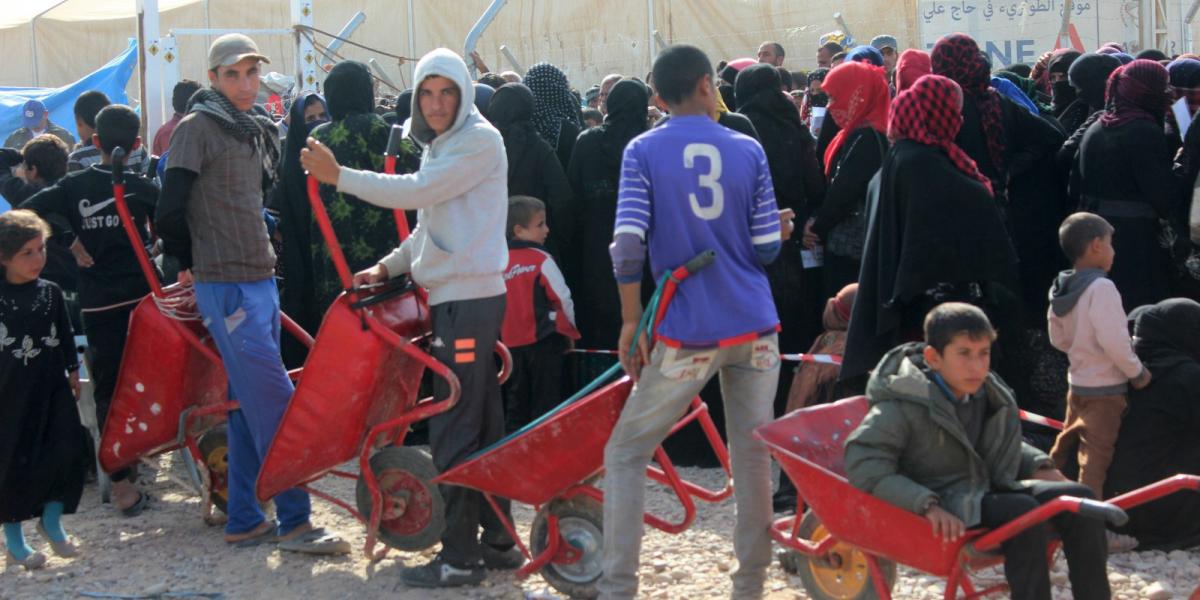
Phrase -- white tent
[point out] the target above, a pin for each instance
(61, 40)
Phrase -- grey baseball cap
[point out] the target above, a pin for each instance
(880, 42)
(233, 48)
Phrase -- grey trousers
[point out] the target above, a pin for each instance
(464, 333)
(749, 375)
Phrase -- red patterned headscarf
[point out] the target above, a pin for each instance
(930, 113)
(958, 57)
(858, 96)
(1136, 91)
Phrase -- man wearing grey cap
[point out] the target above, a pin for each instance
(35, 120)
(223, 156)
(887, 45)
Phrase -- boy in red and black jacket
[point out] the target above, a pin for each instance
(539, 319)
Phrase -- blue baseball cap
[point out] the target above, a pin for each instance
(32, 113)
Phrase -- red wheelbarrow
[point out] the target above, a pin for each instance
(356, 396)
(552, 464)
(849, 541)
(171, 387)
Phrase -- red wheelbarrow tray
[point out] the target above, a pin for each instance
(362, 371)
(809, 443)
(168, 369)
(547, 457)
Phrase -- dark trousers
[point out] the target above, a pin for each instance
(464, 333)
(535, 386)
(1025, 564)
(106, 332)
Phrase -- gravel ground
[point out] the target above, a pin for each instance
(170, 550)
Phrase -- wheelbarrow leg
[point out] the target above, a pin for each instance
(880, 582)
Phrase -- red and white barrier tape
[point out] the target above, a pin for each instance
(1040, 420)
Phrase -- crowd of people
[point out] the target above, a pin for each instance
(968, 239)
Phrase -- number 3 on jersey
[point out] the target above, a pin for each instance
(709, 180)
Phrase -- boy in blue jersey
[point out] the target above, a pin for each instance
(688, 186)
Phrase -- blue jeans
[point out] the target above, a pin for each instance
(243, 319)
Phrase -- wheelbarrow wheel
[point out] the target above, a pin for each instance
(843, 574)
(581, 525)
(214, 451)
(413, 509)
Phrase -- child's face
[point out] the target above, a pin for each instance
(535, 231)
(964, 363)
(1101, 252)
(27, 263)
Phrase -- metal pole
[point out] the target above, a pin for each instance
(650, 33)
(344, 34)
(152, 93)
(477, 30)
(306, 59)
(33, 40)
(412, 41)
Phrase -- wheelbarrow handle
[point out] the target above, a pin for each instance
(700, 262)
(1109, 513)
(118, 165)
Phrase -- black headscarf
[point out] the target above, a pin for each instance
(1089, 75)
(628, 103)
(757, 90)
(291, 200)
(404, 106)
(1062, 93)
(350, 90)
(1167, 333)
(511, 111)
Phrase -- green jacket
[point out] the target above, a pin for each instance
(22, 135)
(911, 448)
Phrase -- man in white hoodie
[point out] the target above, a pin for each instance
(458, 251)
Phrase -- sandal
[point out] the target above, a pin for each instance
(34, 561)
(265, 536)
(317, 542)
(64, 549)
(137, 507)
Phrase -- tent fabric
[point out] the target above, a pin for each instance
(586, 39)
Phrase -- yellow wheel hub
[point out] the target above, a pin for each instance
(218, 466)
(843, 573)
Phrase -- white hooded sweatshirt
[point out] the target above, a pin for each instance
(458, 250)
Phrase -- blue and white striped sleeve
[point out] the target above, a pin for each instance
(633, 196)
(765, 231)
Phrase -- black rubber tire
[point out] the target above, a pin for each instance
(214, 451)
(417, 470)
(807, 568)
(581, 523)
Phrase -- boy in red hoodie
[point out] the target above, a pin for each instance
(539, 318)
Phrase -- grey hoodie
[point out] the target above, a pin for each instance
(1069, 286)
(458, 249)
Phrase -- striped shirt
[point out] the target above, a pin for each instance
(693, 185)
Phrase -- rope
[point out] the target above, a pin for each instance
(180, 305)
(402, 59)
(325, 52)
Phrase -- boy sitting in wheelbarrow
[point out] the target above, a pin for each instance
(943, 439)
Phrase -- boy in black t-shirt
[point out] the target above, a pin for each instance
(111, 287)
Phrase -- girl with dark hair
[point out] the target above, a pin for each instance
(43, 449)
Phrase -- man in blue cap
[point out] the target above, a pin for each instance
(35, 120)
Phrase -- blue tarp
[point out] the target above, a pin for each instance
(110, 79)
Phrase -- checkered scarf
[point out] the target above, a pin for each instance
(553, 102)
(1136, 91)
(257, 129)
(958, 57)
(929, 112)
